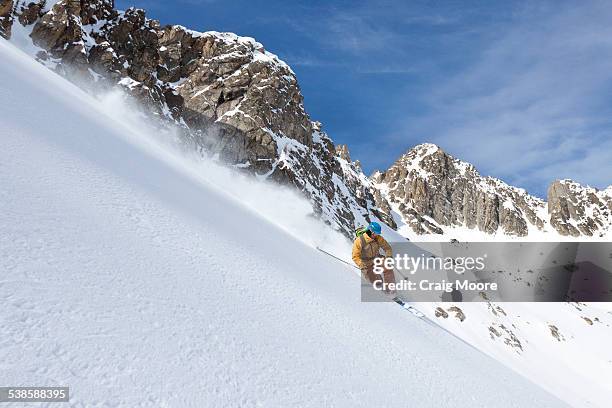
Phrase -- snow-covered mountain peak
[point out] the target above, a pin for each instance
(255, 48)
(432, 190)
(427, 156)
(425, 149)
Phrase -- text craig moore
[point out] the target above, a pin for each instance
(426, 285)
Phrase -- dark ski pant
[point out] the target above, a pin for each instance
(368, 274)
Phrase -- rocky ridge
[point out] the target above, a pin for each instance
(577, 210)
(432, 190)
(231, 97)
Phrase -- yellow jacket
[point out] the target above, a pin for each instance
(363, 256)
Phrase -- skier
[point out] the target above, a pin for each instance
(366, 248)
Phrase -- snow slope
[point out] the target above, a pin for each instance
(135, 282)
(563, 346)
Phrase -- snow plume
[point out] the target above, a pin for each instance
(281, 206)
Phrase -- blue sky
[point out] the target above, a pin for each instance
(520, 89)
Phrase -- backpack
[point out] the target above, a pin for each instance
(359, 231)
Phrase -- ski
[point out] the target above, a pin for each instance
(409, 308)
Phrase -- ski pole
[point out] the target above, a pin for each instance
(335, 257)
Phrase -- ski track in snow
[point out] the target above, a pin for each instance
(138, 286)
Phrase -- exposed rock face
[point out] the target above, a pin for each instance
(458, 313)
(343, 152)
(441, 313)
(365, 194)
(60, 33)
(230, 96)
(201, 78)
(576, 210)
(6, 18)
(554, 331)
(28, 12)
(431, 189)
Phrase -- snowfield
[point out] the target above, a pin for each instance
(137, 283)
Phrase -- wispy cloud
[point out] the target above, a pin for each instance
(308, 60)
(536, 103)
(390, 69)
(356, 34)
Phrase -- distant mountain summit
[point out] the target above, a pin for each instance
(579, 211)
(233, 99)
(434, 192)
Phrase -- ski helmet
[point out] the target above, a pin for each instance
(375, 227)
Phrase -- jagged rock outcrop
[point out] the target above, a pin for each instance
(431, 189)
(230, 96)
(577, 210)
(60, 33)
(343, 152)
(199, 78)
(365, 194)
(6, 18)
(28, 12)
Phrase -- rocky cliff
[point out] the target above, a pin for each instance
(230, 96)
(579, 211)
(434, 192)
(233, 99)
(6, 18)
